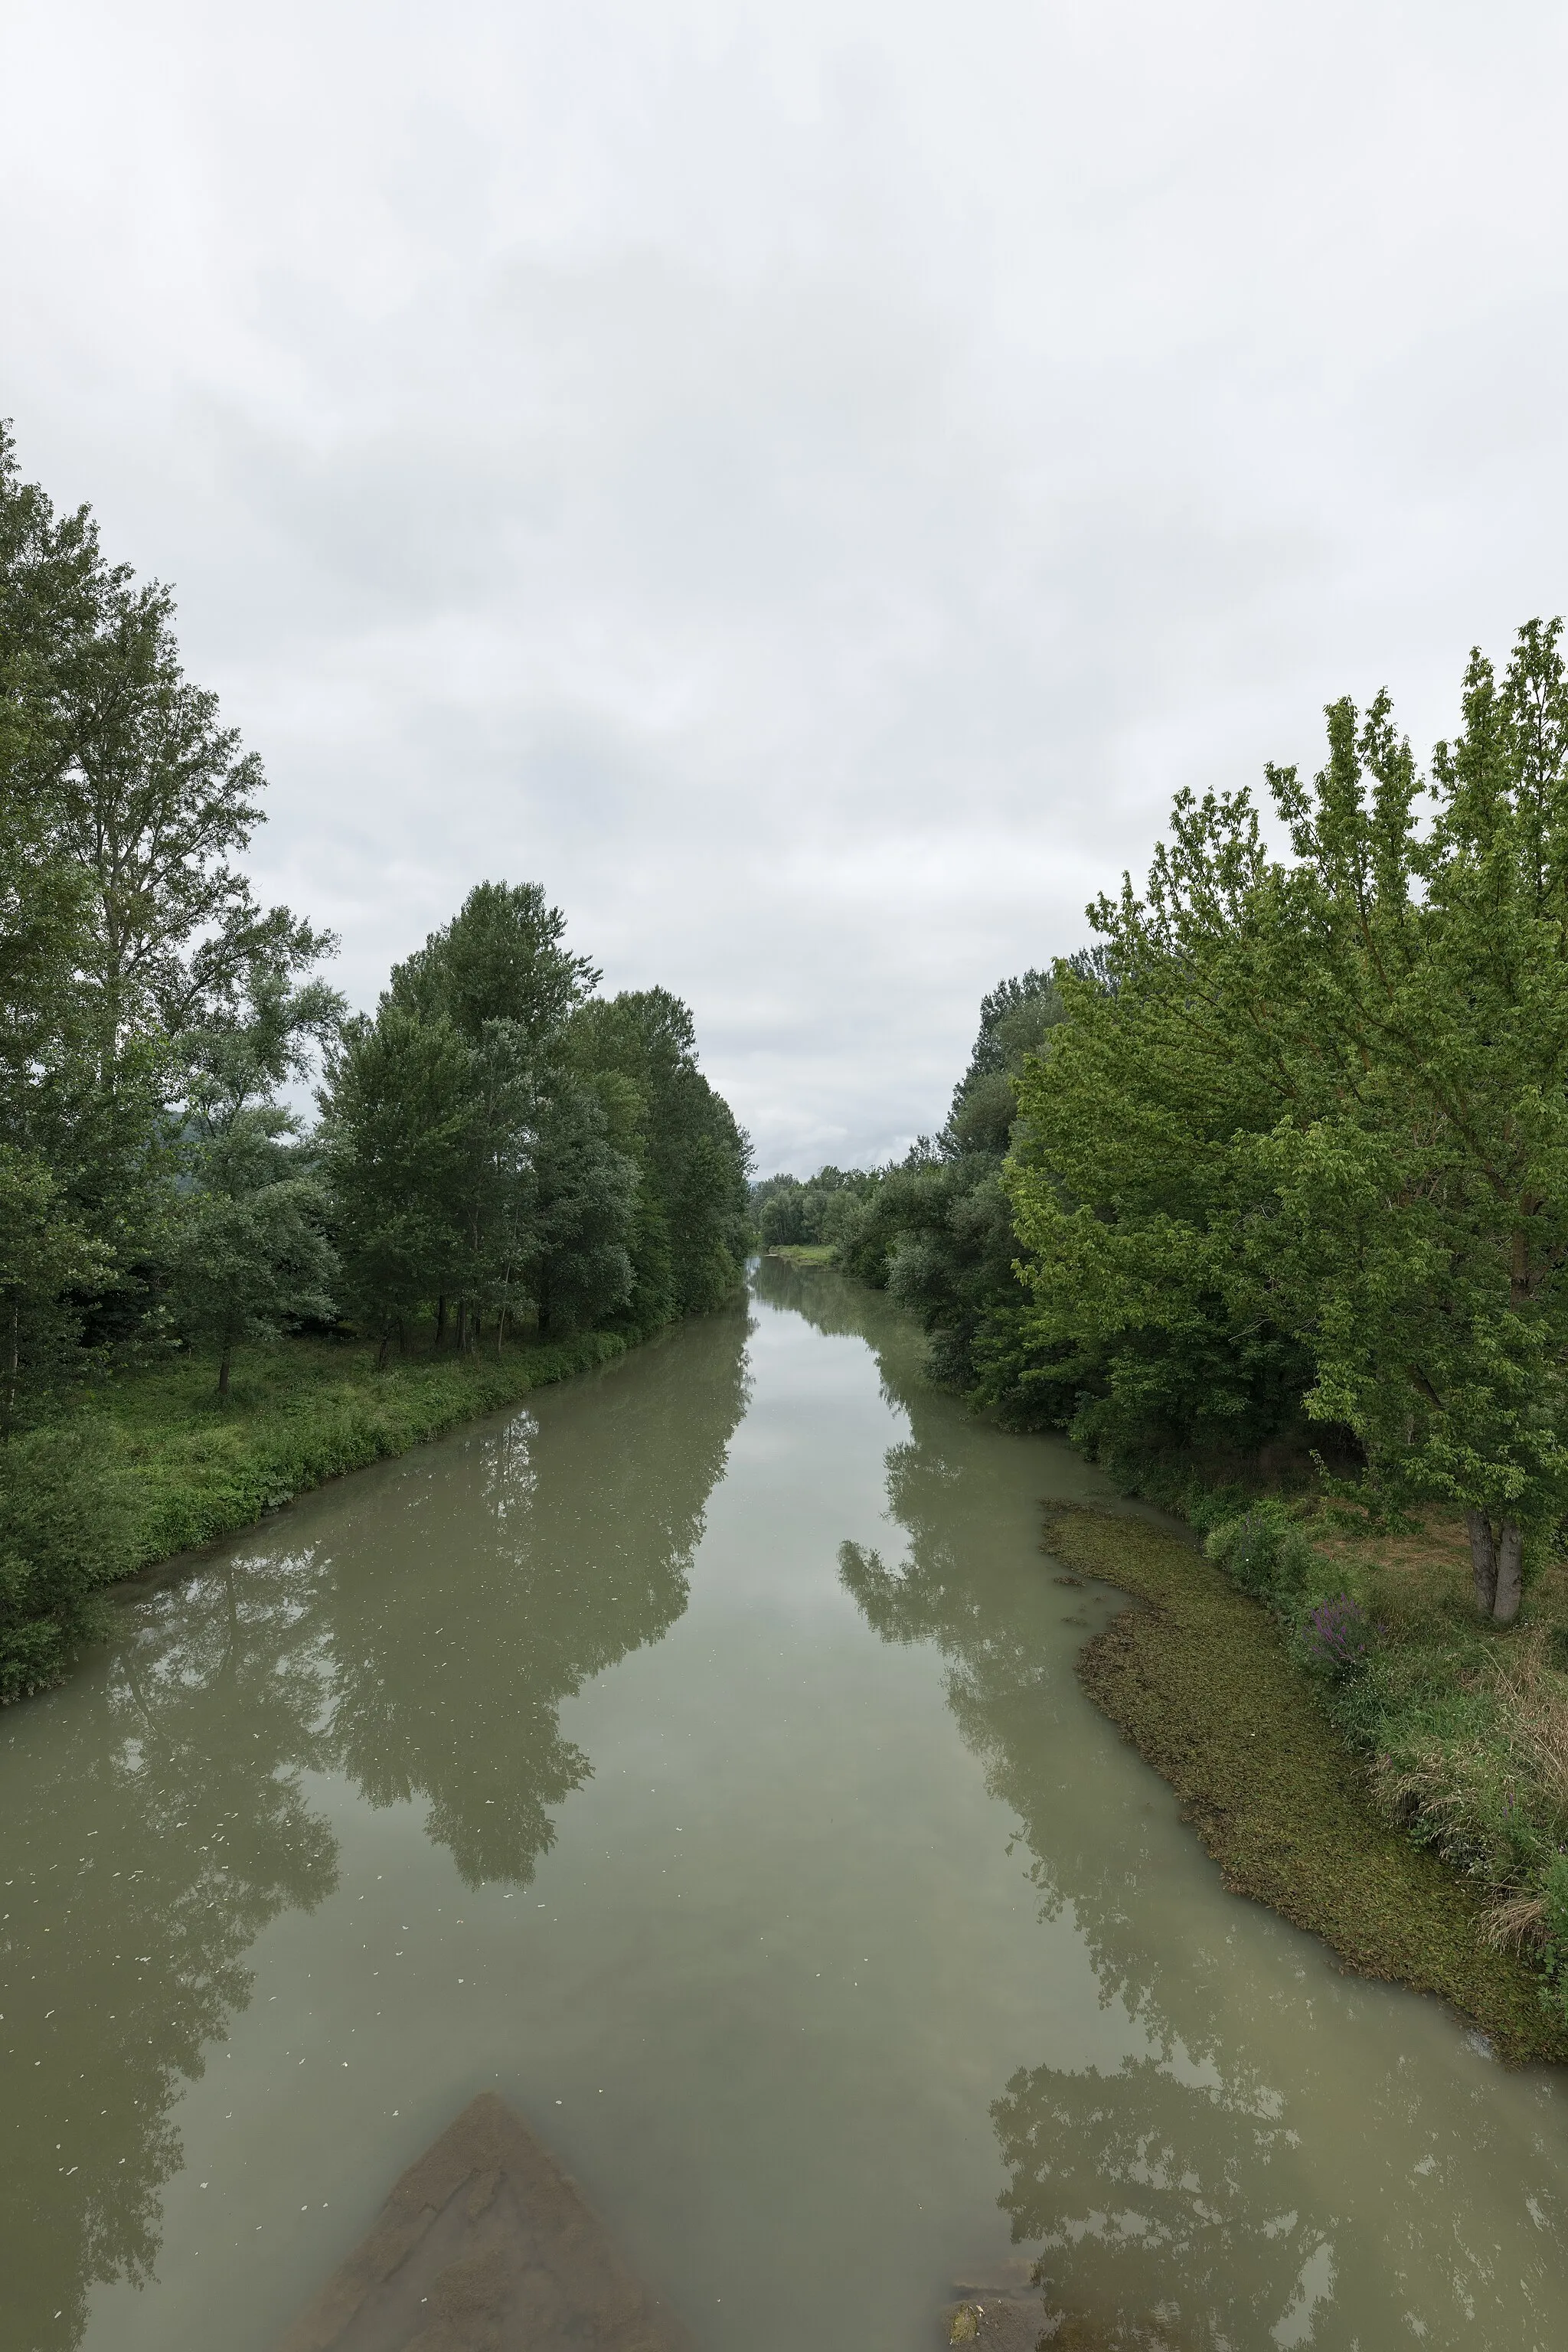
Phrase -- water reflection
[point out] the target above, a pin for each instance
(142, 1848)
(527, 1564)
(1270, 2170)
(417, 1635)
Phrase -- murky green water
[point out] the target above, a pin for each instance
(804, 1905)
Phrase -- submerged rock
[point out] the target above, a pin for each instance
(486, 2245)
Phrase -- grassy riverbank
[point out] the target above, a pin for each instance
(1204, 1683)
(301, 1412)
(158, 1463)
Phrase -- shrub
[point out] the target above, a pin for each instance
(1264, 1553)
(67, 1529)
(1337, 1635)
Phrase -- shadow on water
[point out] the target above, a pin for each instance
(157, 1813)
(1275, 2168)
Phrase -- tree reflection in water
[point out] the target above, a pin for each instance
(144, 1846)
(1183, 2201)
(576, 1548)
(156, 1816)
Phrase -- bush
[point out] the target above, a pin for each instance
(1337, 1636)
(1265, 1554)
(67, 1529)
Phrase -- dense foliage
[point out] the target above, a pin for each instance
(1280, 1167)
(1305, 1161)
(936, 1229)
(500, 1151)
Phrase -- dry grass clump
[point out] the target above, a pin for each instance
(1533, 1703)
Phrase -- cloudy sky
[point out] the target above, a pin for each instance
(803, 482)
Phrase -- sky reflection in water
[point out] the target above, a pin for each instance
(886, 1958)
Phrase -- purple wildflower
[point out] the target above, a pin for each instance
(1337, 1633)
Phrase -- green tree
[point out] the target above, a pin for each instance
(129, 933)
(1313, 1144)
(693, 1221)
(581, 1202)
(49, 1261)
(248, 1254)
(52, 581)
(249, 1263)
(498, 981)
(779, 1204)
(937, 1231)
(499, 959)
(1153, 1330)
(1013, 1019)
(1425, 1211)
(396, 1107)
(472, 1154)
(152, 806)
(51, 585)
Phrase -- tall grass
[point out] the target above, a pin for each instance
(1464, 1726)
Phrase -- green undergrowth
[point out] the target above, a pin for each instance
(804, 1253)
(1463, 1724)
(157, 1463)
(1275, 1754)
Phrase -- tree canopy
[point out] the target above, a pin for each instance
(1280, 1165)
(500, 1151)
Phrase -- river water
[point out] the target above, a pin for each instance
(695, 1757)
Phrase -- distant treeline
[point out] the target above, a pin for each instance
(499, 1148)
(1280, 1166)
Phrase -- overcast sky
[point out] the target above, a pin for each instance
(805, 483)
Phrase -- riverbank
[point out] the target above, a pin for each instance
(157, 1464)
(1200, 1681)
(301, 1412)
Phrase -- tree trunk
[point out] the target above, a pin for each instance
(440, 1319)
(223, 1371)
(381, 1352)
(1483, 1560)
(1510, 1572)
(462, 1323)
(1497, 1562)
(402, 1338)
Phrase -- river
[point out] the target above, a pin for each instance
(695, 1757)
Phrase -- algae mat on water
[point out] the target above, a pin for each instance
(1199, 1682)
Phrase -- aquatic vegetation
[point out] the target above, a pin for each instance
(1370, 1805)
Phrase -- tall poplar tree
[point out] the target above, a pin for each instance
(1314, 1144)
